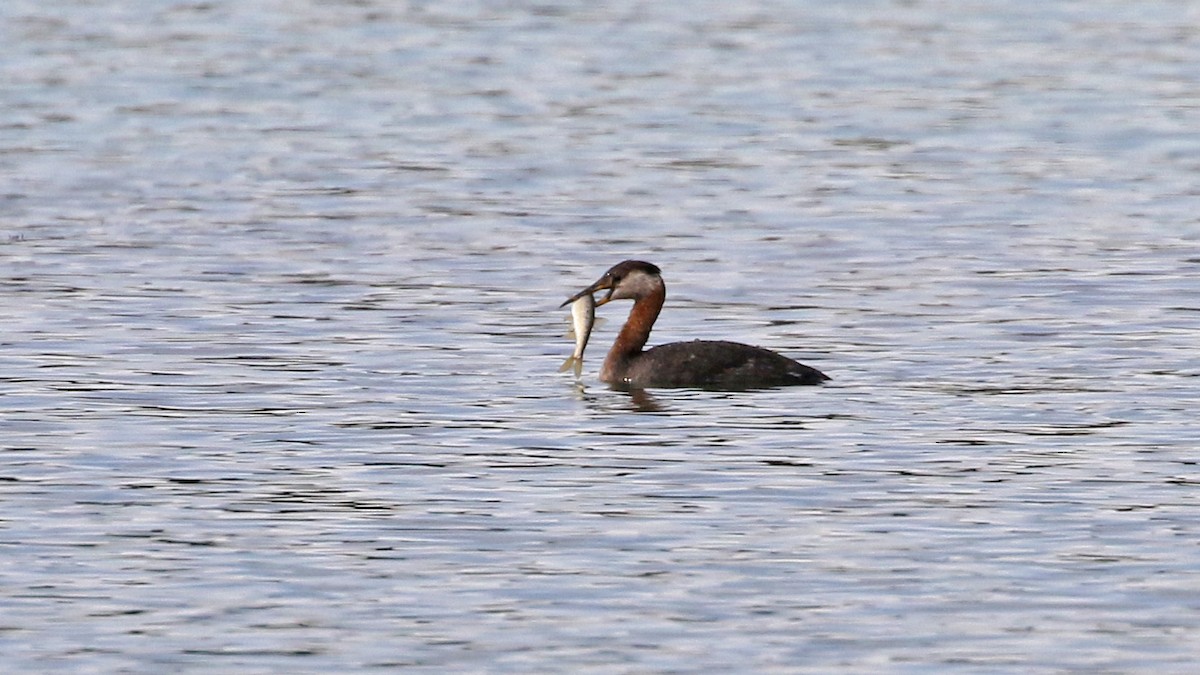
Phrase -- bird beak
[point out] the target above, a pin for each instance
(603, 283)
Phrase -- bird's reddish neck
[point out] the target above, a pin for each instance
(633, 335)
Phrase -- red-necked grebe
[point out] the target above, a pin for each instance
(713, 364)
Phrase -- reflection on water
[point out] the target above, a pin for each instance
(279, 388)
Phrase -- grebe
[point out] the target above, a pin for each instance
(712, 364)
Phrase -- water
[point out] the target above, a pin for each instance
(279, 384)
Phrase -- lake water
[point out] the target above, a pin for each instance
(279, 386)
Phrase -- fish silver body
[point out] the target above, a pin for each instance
(583, 317)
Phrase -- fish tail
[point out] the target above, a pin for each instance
(571, 362)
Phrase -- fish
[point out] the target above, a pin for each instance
(583, 318)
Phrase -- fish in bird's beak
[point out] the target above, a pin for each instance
(604, 282)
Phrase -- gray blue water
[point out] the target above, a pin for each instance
(278, 366)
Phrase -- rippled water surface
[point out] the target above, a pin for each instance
(278, 373)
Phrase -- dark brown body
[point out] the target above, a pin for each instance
(714, 364)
